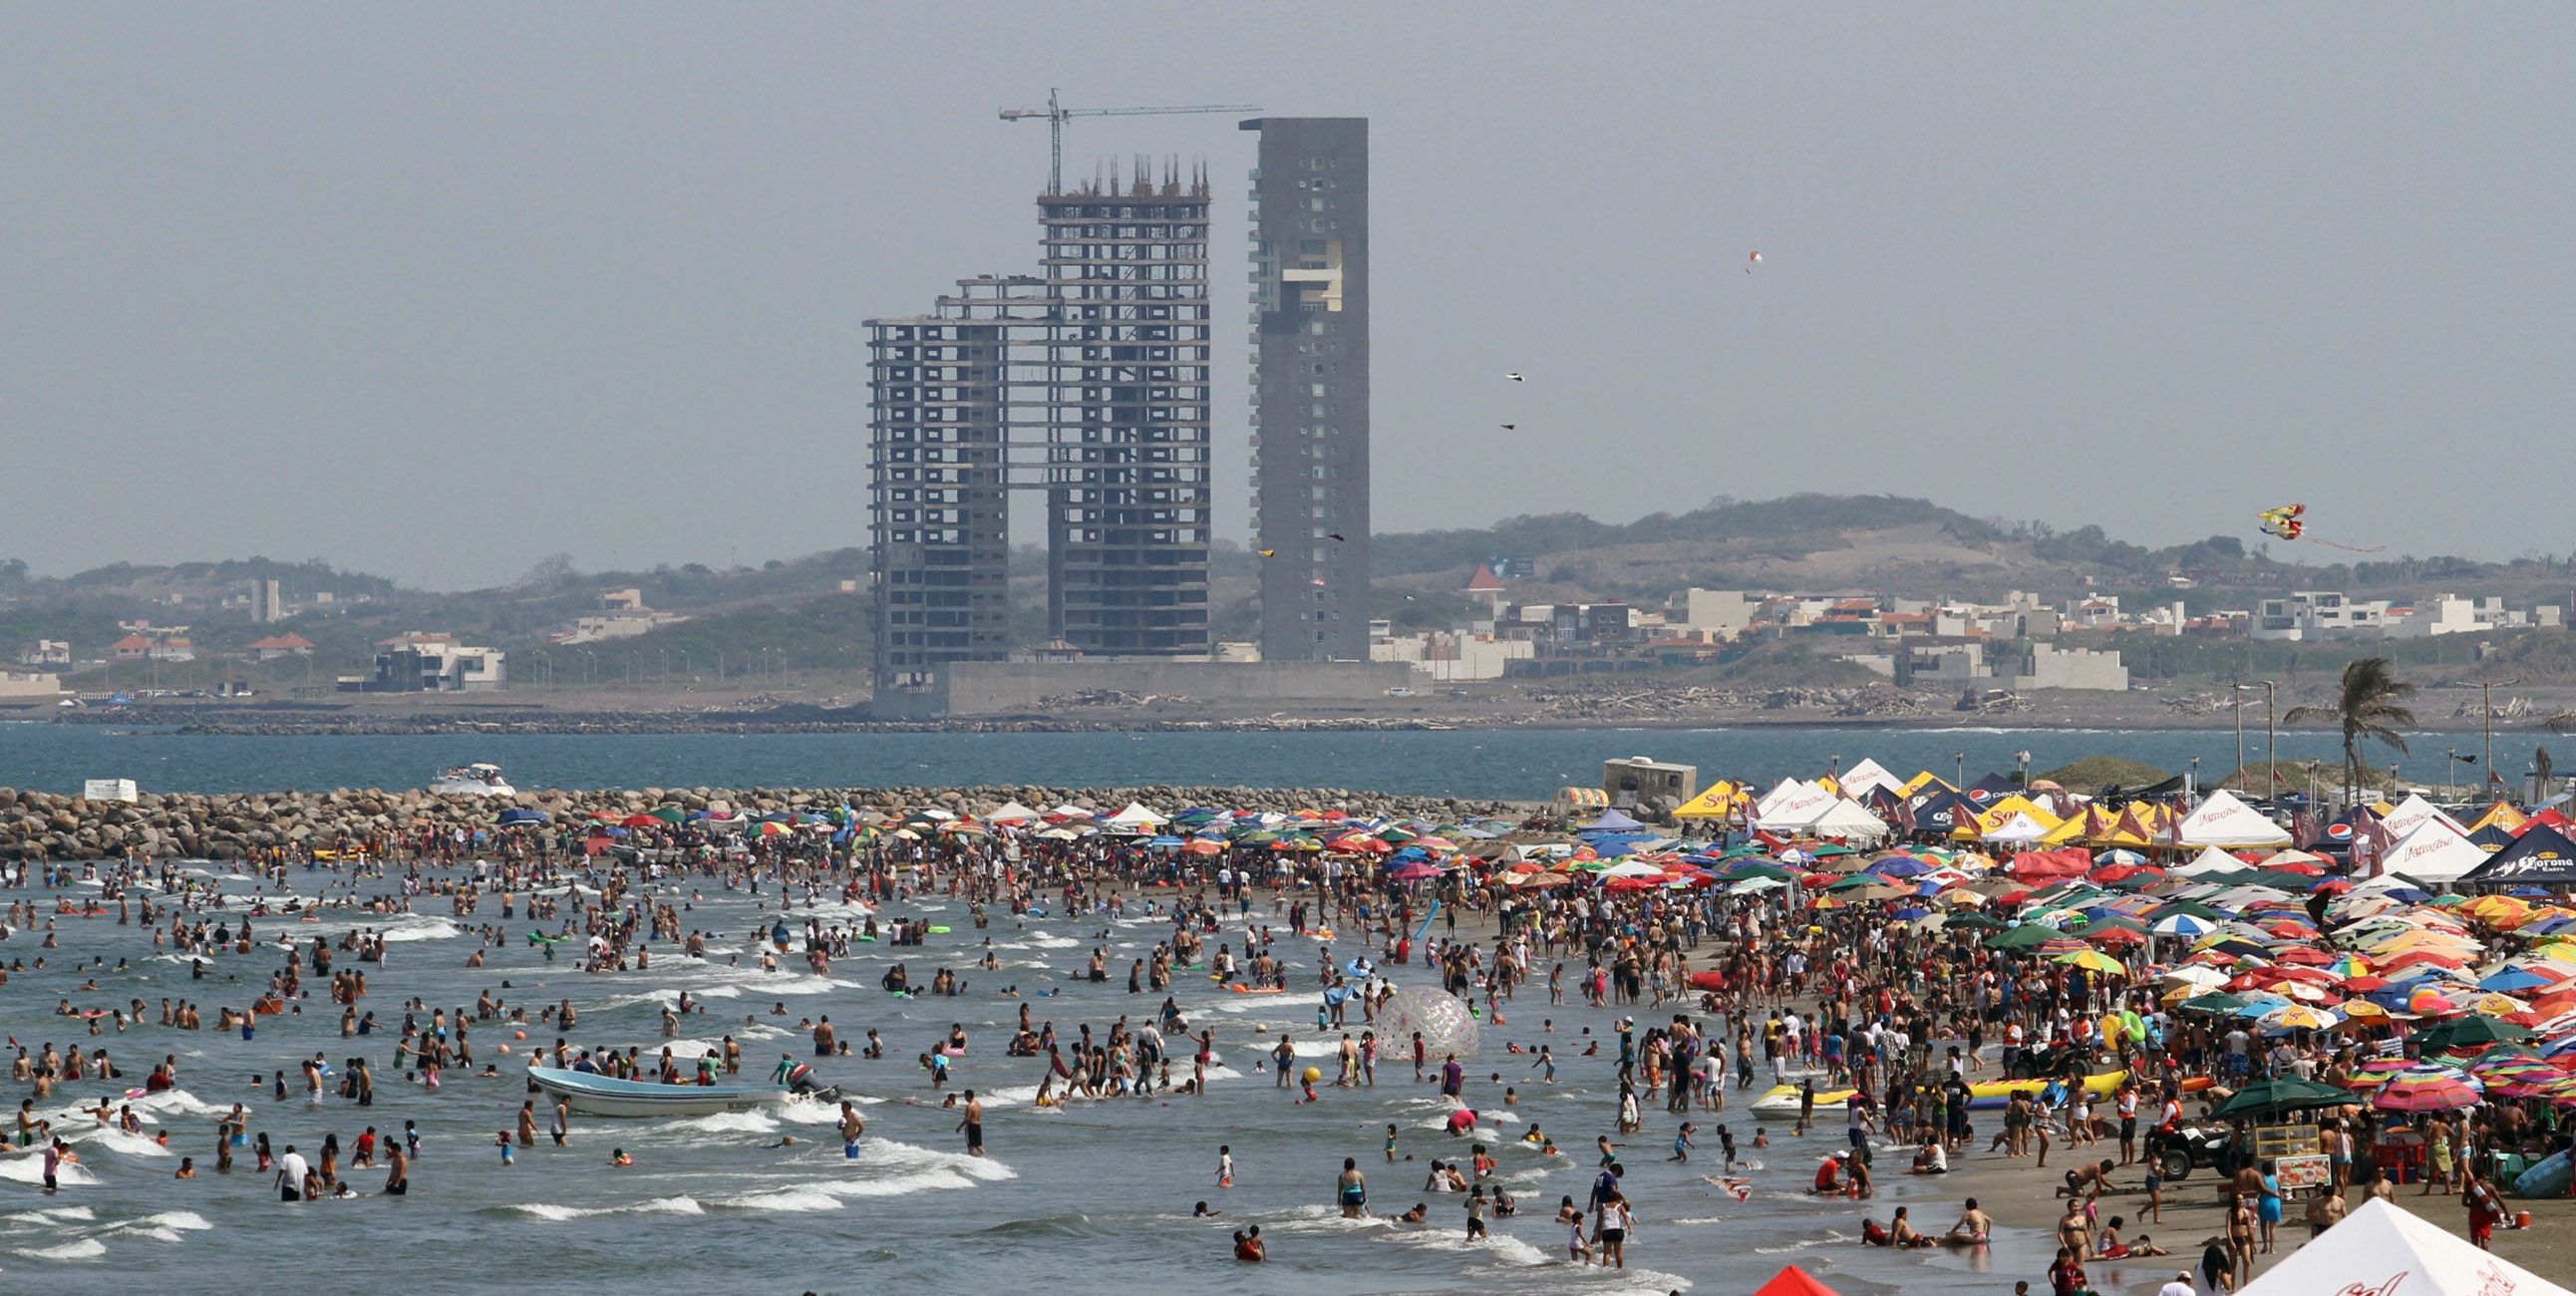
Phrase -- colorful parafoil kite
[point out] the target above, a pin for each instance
(2289, 522)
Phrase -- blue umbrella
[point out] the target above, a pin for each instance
(517, 815)
(1912, 912)
(2408, 894)
(2512, 979)
(1167, 841)
(1900, 866)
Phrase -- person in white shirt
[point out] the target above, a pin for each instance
(2180, 1286)
(290, 1175)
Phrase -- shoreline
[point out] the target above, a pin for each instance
(300, 722)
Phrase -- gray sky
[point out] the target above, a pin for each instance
(436, 290)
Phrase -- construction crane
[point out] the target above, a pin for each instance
(1055, 114)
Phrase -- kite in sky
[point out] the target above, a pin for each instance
(2289, 522)
(1752, 261)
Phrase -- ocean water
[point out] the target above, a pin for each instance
(1518, 764)
(1089, 1198)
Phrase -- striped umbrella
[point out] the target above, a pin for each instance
(2519, 1078)
(2427, 1089)
(2376, 1072)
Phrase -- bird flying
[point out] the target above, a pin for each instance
(1515, 377)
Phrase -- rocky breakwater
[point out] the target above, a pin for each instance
(39, 825)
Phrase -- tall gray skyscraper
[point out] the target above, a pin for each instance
(1310, 434)
(1127, 416)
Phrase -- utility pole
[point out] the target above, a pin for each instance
(2238, 688)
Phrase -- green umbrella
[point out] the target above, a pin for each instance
(2026, 936)
(2282, 1094)
(1971, 918)
(2220, 1002)
(2470, 1032)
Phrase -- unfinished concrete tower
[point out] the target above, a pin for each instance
(939, 404)
(1126, 413)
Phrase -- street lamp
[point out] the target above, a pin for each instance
(1962, 759)
(2486, 706)
(2021, 760)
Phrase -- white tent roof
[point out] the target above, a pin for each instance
(2432, 853)
(1011, 812)
(1136, 816)
(1862, 779)
(2385, 1250)
(2020, 828)
(2412, 813)
(1068, 810)
(2222, 820)
(2212, 860)
(1846, 818)
(1793, 804)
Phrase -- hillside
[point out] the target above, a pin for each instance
(787, 616)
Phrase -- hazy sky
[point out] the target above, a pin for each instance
(434, 290)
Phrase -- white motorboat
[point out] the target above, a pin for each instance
(599, 1095)
(472, 780)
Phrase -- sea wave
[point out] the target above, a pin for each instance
(77, 1249)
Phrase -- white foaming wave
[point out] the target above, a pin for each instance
(176, 1102)
(890, 1152)
(724, 1123)
(1830, 1238)
(783, 1199)
(1222, 1072)
(182, 1221)
(426, 929)
(52, 1215)
(1700, 1219)
(1640, 1282)
(814, 1111)
(1041, 940)
(118, 1141)
(1323, 1219)
(655, 1206)
(78, 1249)
(31, 1170)
(1500, 1247)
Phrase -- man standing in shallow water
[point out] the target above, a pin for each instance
(973, 1124)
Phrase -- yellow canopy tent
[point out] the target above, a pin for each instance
(1721, 800)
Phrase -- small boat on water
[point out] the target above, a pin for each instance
(599, 1095)
(482, 779)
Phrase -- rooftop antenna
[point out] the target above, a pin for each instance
(1056, 114)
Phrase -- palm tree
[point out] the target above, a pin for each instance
(2369, 704)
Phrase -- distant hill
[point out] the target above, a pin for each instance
(1796, 525)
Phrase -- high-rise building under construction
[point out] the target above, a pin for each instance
(1310, 434)
(1127, 417)
(1096, 374)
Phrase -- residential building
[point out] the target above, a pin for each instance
(46, 652)
(289, 644)
(431, 663)
(1310, 426)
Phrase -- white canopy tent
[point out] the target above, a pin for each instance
(1790, 806)
(2222, 820)
(1846, 819)
(2020, 830)
(1868, 776)
(2212, 860)
(2413, 813)
(1011, 812)
(1136, 816)
(2433, 853)
(2384, 1250)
